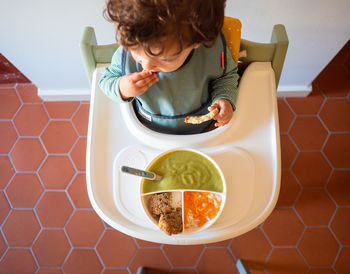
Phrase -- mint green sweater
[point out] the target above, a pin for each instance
(192, 88)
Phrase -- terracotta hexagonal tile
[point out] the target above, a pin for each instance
(84, 228)
(7, 85)
(6, 171)
(342, 264)
(24, 190)
(78, 154)
(336, 114)
(115, 244)
(49, 271)
(51, 248)
(288, 151)
(318, 246)
(283, 227)
(252, 247)
(21, 228)
(61, 110)
(4, 207)
(28, 93)
(315, 207)
(175, 254)
(339, 187)
(9, 103)
(9, 263)
(78, 192)
(8, 136)
(54, 209)
(334, 81)
(183, 271)
(142, 243)
(309, 105)
(56, 172)
(321, 271)
(304, 131)
(285, 116)
(81, 119)
(337, 150)
(285, 260)
(152, 258)
(289, 189)
(226, 243)
(115, 271)
(210, 258)
(25, 117)
(341, 225)
(82, 261)
(59, 137)
(27, 154)
(311, 169)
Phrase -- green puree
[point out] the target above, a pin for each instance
(183, 170)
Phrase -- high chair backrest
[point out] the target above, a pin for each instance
(99, 55)
(232, 33)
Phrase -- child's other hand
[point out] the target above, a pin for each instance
(137, 83)
(225, 112)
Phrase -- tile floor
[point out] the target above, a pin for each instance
(48, 225)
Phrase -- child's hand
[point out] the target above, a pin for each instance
(225, 112)
(137, 83)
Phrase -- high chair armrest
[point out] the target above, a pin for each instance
(274, 52)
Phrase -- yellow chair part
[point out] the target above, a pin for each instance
(232, 32)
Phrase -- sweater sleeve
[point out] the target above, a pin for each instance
(109, 82)
(226, 86)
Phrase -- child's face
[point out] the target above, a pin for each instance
(170, 59)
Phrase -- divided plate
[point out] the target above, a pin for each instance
(236, 164)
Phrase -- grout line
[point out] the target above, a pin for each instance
(166, 257)
(17, 93)
(132, 259)
(99, 258)
(200, 257)
(302, 256)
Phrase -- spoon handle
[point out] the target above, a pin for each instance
(142, 173)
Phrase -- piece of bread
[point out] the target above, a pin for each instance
(170, 223)
(160, 203)
(202, 118)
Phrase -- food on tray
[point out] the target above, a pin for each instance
(202, 118)
(184, 169)
(166, 209)
(160, 203)
(199, 208)
(171, 223)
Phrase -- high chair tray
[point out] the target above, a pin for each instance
(247, 150)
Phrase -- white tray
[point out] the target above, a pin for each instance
(247, 150)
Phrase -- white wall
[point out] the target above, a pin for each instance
(317, 30)
(41, 37)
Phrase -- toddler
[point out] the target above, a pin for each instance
(172, 62)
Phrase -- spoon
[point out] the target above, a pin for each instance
(142, 173)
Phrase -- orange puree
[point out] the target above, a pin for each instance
(199, 208)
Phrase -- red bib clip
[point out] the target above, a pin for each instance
(222, 60)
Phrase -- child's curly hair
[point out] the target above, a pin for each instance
(145, 22)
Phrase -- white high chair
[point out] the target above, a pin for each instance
(247, 149)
